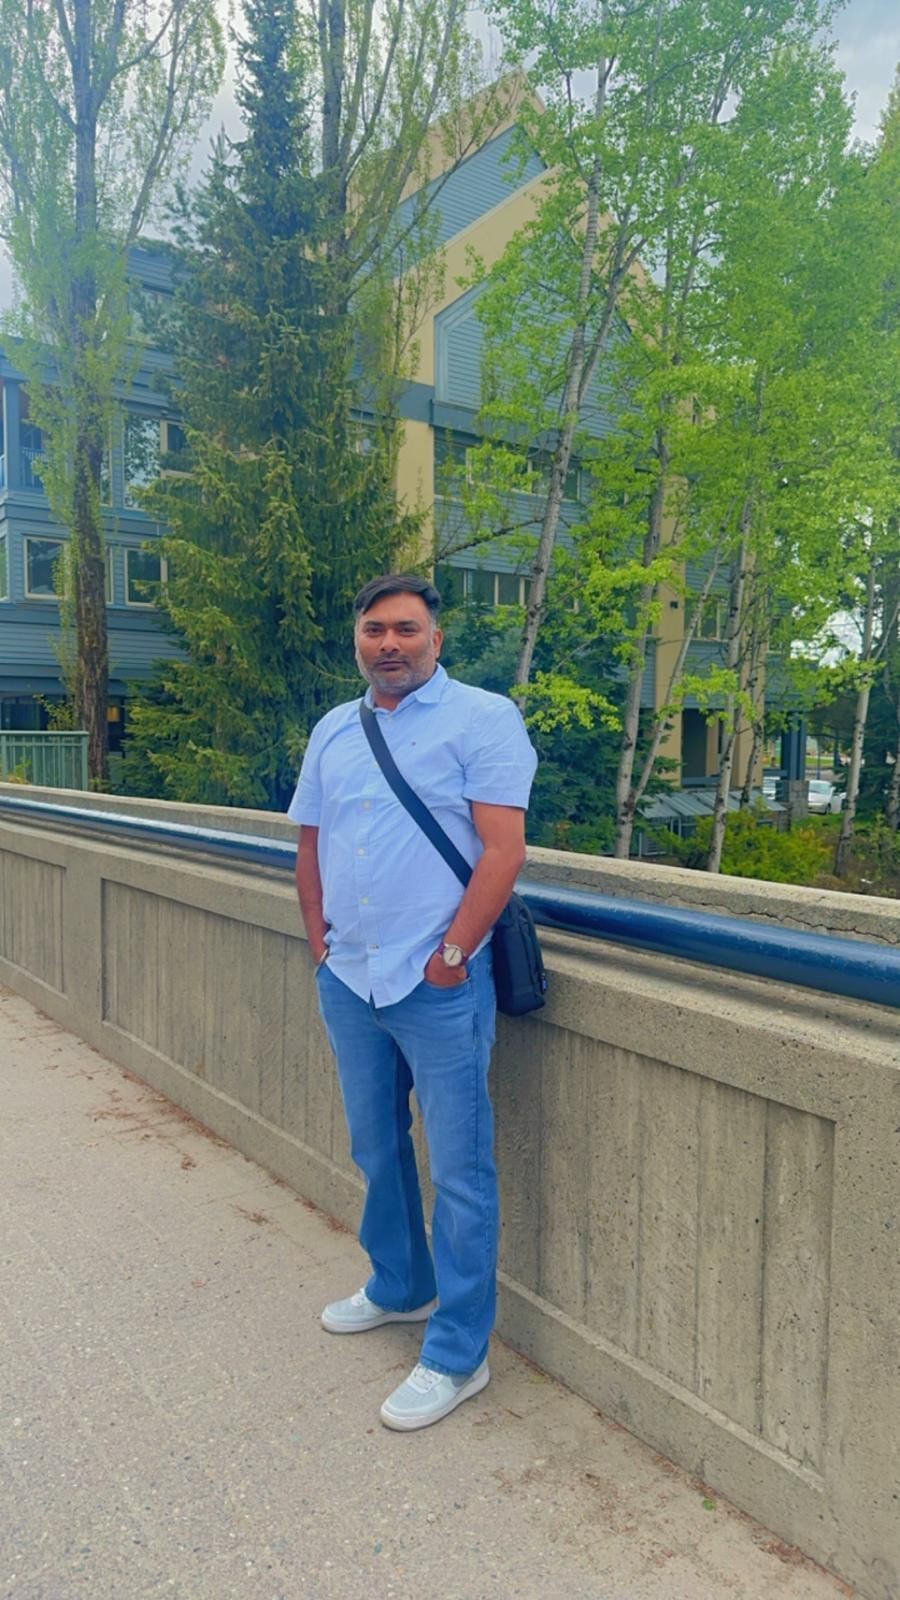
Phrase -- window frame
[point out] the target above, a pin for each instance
(712, 609)
(63, 544)
(137, 550)
(107, 463)
(535, 482)
(128, 483)
(4, 567)
(165, 447)
(466, 575)
(29, 456)
(29, 539)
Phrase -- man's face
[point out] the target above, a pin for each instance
(397, 645)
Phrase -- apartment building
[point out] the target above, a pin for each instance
(479, 206)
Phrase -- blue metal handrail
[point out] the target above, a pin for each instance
(855, 968)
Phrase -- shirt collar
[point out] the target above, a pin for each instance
(426, 692)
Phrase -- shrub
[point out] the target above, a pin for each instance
(755, 849)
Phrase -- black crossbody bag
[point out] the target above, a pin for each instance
(519, 976)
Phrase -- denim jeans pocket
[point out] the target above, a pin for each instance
(447, 988)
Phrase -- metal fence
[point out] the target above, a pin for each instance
(49, 760)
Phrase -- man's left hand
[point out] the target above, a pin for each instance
(442, 976)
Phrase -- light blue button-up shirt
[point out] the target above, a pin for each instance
(388, 896)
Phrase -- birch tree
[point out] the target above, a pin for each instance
(626, 165)
(621, 237)
(869, 223)
(100, 100)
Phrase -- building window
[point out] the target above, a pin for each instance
(106, 495)
(174, 447)
(510, 589)
(4, 569)
(31, 448)
(535, 478)
(47, 573)
(713, 620)
(362, 438)
(143, 576)
(539, 465)
(43, 568)
(148, 309)
(455, 455)
(142, 446)
(481, 587)
(33, 456)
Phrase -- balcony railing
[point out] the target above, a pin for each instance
(32, 461)
(49, 760)
(30, 467)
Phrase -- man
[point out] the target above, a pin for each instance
(403, 969)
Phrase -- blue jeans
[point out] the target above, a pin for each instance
(437, 1041)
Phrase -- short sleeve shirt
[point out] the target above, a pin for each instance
(388, 896)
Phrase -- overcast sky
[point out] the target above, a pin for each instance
(868, 34)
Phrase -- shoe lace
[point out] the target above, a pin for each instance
(423, 1378)
(360, 1298)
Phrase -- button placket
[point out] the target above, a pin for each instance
(366, 899)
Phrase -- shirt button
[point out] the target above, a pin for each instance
(360, 852)
(367, 805)
(365, 900)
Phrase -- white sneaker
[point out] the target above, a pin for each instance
(426, 1396)
(359, 1313)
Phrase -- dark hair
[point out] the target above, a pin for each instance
(397, 583)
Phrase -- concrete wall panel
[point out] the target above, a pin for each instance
(730, 1251)
(516, 1086)
(796, 1282)
(613, 1197)
(700, 1174)
(561, 1214)
(31, 898)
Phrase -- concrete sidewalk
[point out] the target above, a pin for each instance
(175, 1422)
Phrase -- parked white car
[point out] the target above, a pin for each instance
(825, 796)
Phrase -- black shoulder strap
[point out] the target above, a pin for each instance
(408, 797)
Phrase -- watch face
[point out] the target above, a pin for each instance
(452, 955)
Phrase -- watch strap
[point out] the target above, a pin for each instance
(451, 944)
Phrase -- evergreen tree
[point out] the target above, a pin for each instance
(288, 505)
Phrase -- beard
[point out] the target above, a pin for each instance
(402, 679)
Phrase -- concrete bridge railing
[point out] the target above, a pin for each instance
(700, 1172)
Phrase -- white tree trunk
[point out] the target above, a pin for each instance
(757, 657)
(759, 730)
(859, 733)
(577, 361)
(626, 799)
(732, 662)
(661, 720)
(893, 799)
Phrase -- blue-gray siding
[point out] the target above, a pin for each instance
(29, 629)
(697, 572)
(27, 647)
(459, 354)
(483, 181)
(702, 655)
(523, 513)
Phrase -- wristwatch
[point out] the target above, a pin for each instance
(451, 954)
